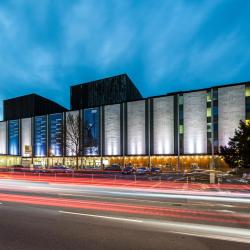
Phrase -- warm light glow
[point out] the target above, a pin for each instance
(195, 123)
(163, 125)
(136, 128)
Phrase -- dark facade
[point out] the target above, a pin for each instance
(106, 91)
(28, 106)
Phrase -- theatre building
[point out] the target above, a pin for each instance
(113, 123)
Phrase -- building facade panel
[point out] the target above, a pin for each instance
(136, 128)
(3, 138)
(72, 133)
(40, 136)
(26, 137)
(29, 105)
(163, 125)
(112, 130)
(91, 131)
(105, 91)
(56, 134)
(195, 122)
(13, 137)
(231, 104)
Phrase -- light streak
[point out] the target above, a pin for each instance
(130, 192)
(199, 215)
(102, 216)
(84, 179)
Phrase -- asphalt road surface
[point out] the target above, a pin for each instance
(63, 216)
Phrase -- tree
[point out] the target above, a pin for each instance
(237, 153)
(73, 136)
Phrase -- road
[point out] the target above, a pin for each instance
(46, 215)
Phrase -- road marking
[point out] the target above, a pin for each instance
(102, 216)
(225, 211)
(225, 205)
(197, 230)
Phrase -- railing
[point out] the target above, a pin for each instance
(93, 174)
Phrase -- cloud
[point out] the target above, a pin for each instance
(164, 46)
(97, 33)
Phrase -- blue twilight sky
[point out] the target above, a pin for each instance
(164, 46)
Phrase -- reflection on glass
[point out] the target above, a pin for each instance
(13, 135)
(91, 128)
(56, 134)
(40, 136)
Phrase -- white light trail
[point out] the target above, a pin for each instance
(102, 216)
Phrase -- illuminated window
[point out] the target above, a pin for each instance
(209, 97)
(247, 91)
(209, 127)
(209, 112)
(181, 129)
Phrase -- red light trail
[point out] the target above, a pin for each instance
(165, 212)
(97, 180)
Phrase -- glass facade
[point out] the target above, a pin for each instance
(56, 135)
(181, 123)
(209, 122)
(13, 137)
(72, 133)
(215, 113)
(40, 136)
(26, 137)
(91, 131)
(248, 103)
